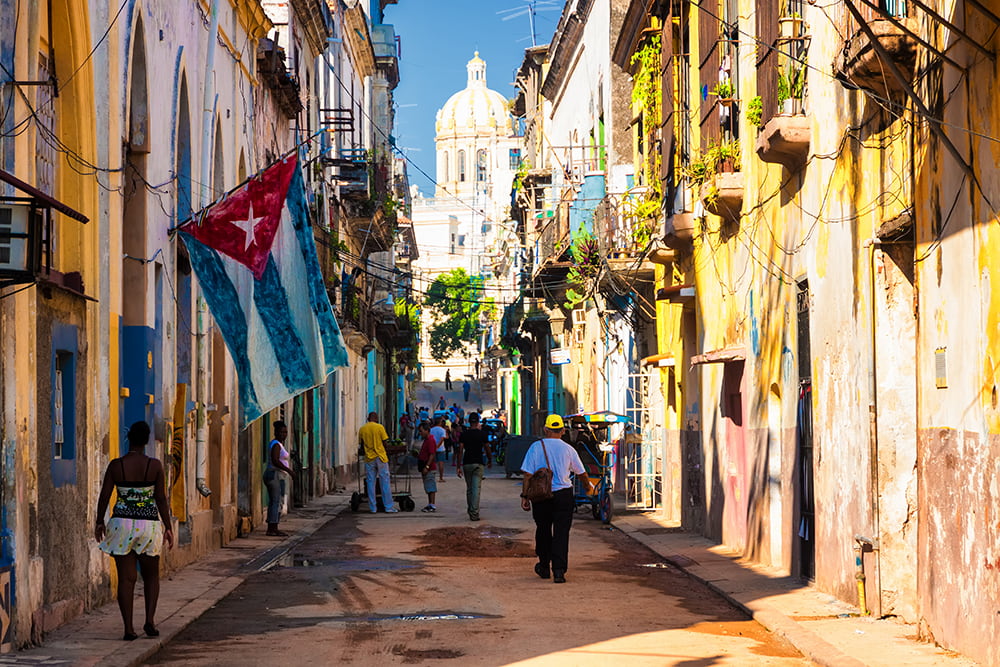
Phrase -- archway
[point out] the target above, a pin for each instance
(137, 336)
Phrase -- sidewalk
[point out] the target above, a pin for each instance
(826, 630)
(95, 637)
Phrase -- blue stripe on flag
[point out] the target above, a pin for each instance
(224, 302)
(272, 303)
(334, 350)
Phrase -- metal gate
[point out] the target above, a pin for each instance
(642, 450)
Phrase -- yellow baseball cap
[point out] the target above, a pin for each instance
(554, 422)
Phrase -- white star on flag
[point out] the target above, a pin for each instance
(248, 226)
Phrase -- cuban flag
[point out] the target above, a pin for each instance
(255, 258)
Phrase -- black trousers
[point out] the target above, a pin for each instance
(553, 518)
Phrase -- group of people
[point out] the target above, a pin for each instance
(140, 520)
(447, 437)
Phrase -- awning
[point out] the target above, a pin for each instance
(659, 360)
(720, 356)
(34, 192)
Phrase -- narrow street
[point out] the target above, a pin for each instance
(417, 588)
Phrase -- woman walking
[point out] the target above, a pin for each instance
(139, 524)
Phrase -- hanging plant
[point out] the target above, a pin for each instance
(586, 266)
(646, 93)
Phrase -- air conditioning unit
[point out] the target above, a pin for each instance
(579, 317)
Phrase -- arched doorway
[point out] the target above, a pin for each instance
(138, 374)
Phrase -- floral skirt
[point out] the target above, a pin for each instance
(143, 536)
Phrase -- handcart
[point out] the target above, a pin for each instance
(399, 480)
(589, 433)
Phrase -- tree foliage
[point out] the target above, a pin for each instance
(458, 304)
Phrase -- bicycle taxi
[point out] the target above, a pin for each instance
(591, 433)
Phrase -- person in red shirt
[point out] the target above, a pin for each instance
(427, 465)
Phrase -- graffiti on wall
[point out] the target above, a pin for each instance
(6, 607)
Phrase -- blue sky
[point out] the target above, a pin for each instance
(438, 38)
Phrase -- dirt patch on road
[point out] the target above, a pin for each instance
(474, 542)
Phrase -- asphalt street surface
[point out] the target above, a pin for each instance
(415, 588)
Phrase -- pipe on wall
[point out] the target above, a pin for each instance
(202, 361)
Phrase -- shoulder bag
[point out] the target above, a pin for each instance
(539, 486)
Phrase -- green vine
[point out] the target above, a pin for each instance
(755, 111)
(646, 94)
(522, 172)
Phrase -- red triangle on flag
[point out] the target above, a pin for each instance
(244, 224)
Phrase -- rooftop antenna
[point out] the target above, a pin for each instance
(531, 7)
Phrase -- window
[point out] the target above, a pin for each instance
(482, 162)
(461, 166)
(444, 175)
(515, 159)
(63, 404)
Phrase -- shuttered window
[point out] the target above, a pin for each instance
(709, 31)
(767, 56)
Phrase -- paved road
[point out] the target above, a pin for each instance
(417, 588)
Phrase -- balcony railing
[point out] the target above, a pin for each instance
(283, 85)
(860, 64)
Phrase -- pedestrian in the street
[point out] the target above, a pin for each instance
(423, 415)
(427, 464)
(372, 439)
(139, 524)
(404, 426)
(440, 433)
(466, 388)
(553, 517)
(473, 454)
(442, 404)
(447, 380)
(477, 368)
(278, 461)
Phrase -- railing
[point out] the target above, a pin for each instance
(357, 312)
(553, 240)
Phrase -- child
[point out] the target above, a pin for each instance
(427, 464)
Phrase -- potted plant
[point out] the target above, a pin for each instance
(725, 157)
(725, 92)
(790, 88)
(790, 26)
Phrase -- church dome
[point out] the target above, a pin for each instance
(476, 108)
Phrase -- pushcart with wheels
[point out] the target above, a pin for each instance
(589, 433)
(399, 480)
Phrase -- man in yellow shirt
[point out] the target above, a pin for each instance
(372, 438)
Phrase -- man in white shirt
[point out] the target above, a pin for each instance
(553, 517)
(441, 456)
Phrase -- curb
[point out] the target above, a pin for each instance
(807, 642)
(194, 609)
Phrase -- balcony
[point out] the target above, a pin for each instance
(283, 85)
(623, 237)
(356, 321)
(386, 46)
(679, 231)
(785, 140)
(722, 195)
(552, 243)
(859, 64)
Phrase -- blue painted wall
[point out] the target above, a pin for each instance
(581, 211)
